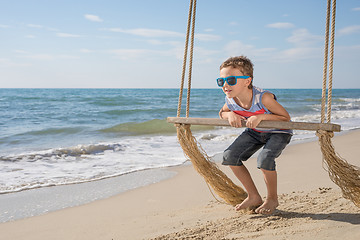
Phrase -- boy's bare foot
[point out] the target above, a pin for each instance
(249, 203)
(268, 207)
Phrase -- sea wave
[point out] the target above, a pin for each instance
(85, 163)
(335, 115)
(155, 126)
(63, 153)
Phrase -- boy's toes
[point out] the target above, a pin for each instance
(267, 208)
(265, 211)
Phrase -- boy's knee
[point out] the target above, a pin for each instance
(227, 155)
(230, 159)
(266, 160)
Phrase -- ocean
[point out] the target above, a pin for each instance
(51, 137)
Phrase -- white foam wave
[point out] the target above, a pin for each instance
(88, 163)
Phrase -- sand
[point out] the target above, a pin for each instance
(182, 207)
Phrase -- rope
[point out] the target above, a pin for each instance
(191, 60)
(190, 24)
(343, 174)
(213, 176)
(326, 50)
(184, 60)
(331, 63)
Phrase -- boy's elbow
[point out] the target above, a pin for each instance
(220, 114)
(287, 118)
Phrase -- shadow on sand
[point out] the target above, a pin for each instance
(352, 218)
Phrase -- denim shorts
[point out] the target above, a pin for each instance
(250, 141)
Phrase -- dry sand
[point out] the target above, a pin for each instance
(311, 207)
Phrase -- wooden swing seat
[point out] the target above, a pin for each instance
(263, 124)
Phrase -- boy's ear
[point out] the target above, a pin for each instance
(249, 80)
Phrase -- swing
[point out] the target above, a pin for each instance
(345, 175)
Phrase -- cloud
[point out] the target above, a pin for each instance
(93, 18)
(145, 32)
(239, 48)
(281, 25)
(66, 56)
(349, 30)
(207, 37)
(41, 27)
(21, 51)
(52, 29)
(4, 62)
(127, 54)
(34, 26)
(302, 37)
(157, 42)
(4, 26)
(298, 53)
(356, 9)
(85, 50)
(158, 33)
(40, 57)
(48, 57)
(145, 54)
(67, 35)
(30, 36)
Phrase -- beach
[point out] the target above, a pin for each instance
(182, 207)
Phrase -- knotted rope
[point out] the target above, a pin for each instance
(220, 183)
(343, 174)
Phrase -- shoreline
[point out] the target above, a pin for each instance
(182, 206)
(39, 201)
(43, 200)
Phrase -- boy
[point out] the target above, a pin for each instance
(246, 102)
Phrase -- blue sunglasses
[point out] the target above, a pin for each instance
(231, 80)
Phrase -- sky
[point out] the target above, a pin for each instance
(140, 43)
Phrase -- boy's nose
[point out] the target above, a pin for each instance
(226, 84)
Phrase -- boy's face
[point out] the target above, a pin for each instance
(239, 88)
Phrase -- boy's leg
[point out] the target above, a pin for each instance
(253, 199)
(271, 201)
(266, 162)
(241, 150)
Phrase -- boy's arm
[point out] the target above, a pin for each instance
(223, 110)
(278, 112)
(233, 118)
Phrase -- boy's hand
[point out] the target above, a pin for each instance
(235, 119)
(253, 121)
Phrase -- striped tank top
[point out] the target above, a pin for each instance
(256, 108)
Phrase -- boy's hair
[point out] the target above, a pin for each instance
(243, 64)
